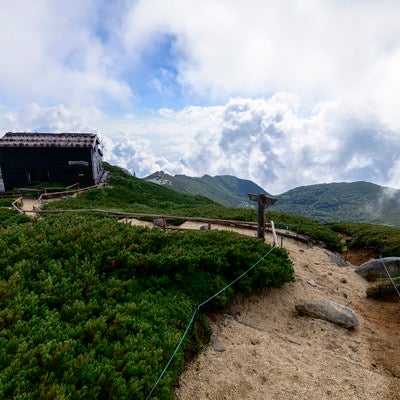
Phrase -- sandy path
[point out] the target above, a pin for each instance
(29, 206)
(272, 353)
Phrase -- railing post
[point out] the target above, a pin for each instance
(262, 201)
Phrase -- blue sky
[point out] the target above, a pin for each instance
(285, 93)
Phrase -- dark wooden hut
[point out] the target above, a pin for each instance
(28, 159)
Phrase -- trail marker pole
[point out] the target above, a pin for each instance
(263, 201)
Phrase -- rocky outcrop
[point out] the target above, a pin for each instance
(329, 311)
(375, 269)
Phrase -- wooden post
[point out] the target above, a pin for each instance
(262, 201)
(276, 244)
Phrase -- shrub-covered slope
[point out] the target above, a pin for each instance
(343, 202)
(92, 309)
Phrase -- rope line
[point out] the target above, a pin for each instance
(197, 307)
(238, 278)
(173, 354)
(391, 279)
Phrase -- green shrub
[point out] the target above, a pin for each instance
(91, 308)
(384, 239)
(10, 217)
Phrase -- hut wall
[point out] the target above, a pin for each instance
(23, 166)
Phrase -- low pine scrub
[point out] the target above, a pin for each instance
(385, 240)
(92, 309)
(9, 217)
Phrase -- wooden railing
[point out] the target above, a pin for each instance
(69, 192)
(75, 185)
(162, 222)
(17, 204)
(9, 195)
(163, 219)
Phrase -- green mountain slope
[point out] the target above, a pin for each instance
(351, 202)
(224, 189)
(327, 202)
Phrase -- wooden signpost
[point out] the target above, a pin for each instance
(263, 201)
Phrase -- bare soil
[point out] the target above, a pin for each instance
(274, 353)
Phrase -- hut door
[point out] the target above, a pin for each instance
(82, 176)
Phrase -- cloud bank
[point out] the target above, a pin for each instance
(283, 93)
(270, 141)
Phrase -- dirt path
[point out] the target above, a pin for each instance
(29, 206)
(273, 353)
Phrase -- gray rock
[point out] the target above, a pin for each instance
(329, 311)
(336, 259)
(204, 228)
(158, 222)
(374, 269)
(216, 344)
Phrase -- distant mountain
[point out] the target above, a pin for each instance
(351, 202)
(327, 202)
(224, 189)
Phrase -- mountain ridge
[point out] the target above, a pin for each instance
(357, 201)
(227, 190)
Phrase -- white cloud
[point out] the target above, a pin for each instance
(76, 52)
(136, 155)
(394, 173)
(34, 118)
(51, 53)
(258, 47)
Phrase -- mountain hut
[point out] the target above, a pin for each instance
(28, 159)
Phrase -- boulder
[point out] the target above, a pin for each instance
(374, 269)
(329, 311)
(216, 344)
